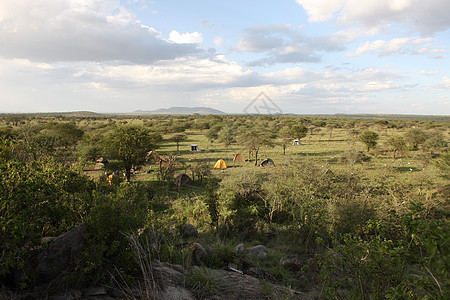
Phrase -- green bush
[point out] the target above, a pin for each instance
(122, 210)
(241, 202)
(203, 283)
(38, 199)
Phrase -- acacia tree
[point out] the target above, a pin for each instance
(68, 133)
(227, 136)
(285, 134)
(415, 137)
(213, 133)
(130, 144)
(397, 144)
(178, 138)
(254, 138)
(299, 131)
(369, 138)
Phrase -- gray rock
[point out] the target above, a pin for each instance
(198, 253)
(69, 295)
(293, 263)
(190, 230)
(257, 272)
(95, 291)
(175, 293)
(297, 262)
(166, 274)
(259, 251)
(61, 252)
(239, 249)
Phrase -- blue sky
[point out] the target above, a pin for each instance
(308, 56)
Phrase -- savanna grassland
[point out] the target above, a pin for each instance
(359, 210)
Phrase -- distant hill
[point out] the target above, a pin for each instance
(182, 111)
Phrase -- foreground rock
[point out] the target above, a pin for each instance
(61, 252)
(190, 230)
(258, 251)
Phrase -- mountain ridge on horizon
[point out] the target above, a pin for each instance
(182, 110)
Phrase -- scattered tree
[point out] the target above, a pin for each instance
(285, 134)
(254, 138)
(130, 144)
(299, 131)
(227, 136)
(415, 137)
(443, 165)
(178, 138)
(397, 145)
(212, 133)
(369, 138)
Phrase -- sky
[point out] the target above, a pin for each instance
(300, 56)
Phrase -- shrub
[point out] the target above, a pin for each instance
(38, 199)
(201, 281)
(241, 200)
(369, 138)
(124, 210)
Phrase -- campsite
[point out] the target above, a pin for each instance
(294, 217)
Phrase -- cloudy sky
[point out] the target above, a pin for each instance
(307, 56)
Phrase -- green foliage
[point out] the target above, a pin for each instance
(297, 197)
(130, 144)
(38, 199)
(285, 134)
(369, 138)
(241, 203)
(6, 150)
(123, 210)
(311, 203)
(6, 133)
(299, 131)
(362, 269)
(443, 164)
(178, 138)
(432, 238)
(397, 145)
(415, 137)
(227, 136)
(435, 143)
(213, 133)
(210, 199)
(254, 138)
(68, 133)
(354, 156)
(203, 283)
(377, 267)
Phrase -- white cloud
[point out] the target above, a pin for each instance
(185, 38)
(429, 73)
(283, 43)
(427, 17)
(444, 84)
(91, 30)
(392, 47)
(321, 10)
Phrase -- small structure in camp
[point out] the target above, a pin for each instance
(195, 147)
(154, 157)
(100, 163)
(267, 163)
(296, 143)
(220, 164)
(101, 160)
(237, 157)
(183, 180)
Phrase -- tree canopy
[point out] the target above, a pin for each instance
(369, 138)
(254, 138)
(130, 144)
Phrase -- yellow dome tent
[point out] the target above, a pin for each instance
(220, 164)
